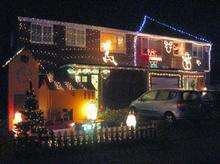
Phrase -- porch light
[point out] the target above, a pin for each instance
(204, 91)
(91, 111)
(131, 120)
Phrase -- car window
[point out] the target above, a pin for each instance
(173, 94)
(163, 95)
(151, 95)
(190, 96)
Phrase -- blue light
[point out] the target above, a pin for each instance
(170, 27)
(143, 24)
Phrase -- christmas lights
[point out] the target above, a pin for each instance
(10, 59)
(168, 46)
(198, 62)
(186, 62)
(176, 29)
(164, 74)
(106, 46)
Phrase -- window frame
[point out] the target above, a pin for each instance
(42, 33)
(68, 29)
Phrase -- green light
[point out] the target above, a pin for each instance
(70, 70)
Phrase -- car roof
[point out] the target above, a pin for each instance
(173, 89)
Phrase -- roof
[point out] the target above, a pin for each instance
(61, 84)
(149, 27)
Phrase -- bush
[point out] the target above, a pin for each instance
(113, 117)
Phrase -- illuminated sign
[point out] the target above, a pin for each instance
(106, 46)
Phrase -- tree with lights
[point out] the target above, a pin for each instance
(32, 123)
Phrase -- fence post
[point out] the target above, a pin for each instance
(59, 140)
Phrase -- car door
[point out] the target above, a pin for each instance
(192, 104)
(165, 101)
(147, 103)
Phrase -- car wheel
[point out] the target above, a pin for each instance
(169, 117)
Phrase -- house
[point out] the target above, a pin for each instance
(68, 63)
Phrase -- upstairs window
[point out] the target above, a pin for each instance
(41, 33)
(117, 42)
(75, 37)
(197, 51)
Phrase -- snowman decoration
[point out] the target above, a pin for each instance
(186, 62)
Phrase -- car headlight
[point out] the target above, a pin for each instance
(131, 120)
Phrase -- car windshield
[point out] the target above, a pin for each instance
(151, 95)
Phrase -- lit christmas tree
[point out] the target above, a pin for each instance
(32, 123)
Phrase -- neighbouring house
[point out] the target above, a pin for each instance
(68, 63)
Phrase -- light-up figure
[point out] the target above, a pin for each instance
(153, 58)
(186, 62)
(168, 46)
(198, 62)
(106, 46)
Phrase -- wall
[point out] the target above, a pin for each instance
(56, 100)
(19, 75)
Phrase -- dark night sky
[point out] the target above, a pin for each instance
(199, 17)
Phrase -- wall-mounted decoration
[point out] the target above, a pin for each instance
(107, 58)
(198, 62)
(168, 45)
(153, 58)
(178, 48)
(186, 61)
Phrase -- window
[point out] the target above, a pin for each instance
(190, 96)
(84, 79)
(151, 95)
(155, 44)
(75, 37)
(163, 95)
(117, 42)
(41, 34)
(179, 48)
(197, 51)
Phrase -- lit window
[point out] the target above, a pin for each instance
(84, 79)
(41, 33)
(117, 42)
(75, 37)
(178, 48)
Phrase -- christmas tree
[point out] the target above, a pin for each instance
(33, 123)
